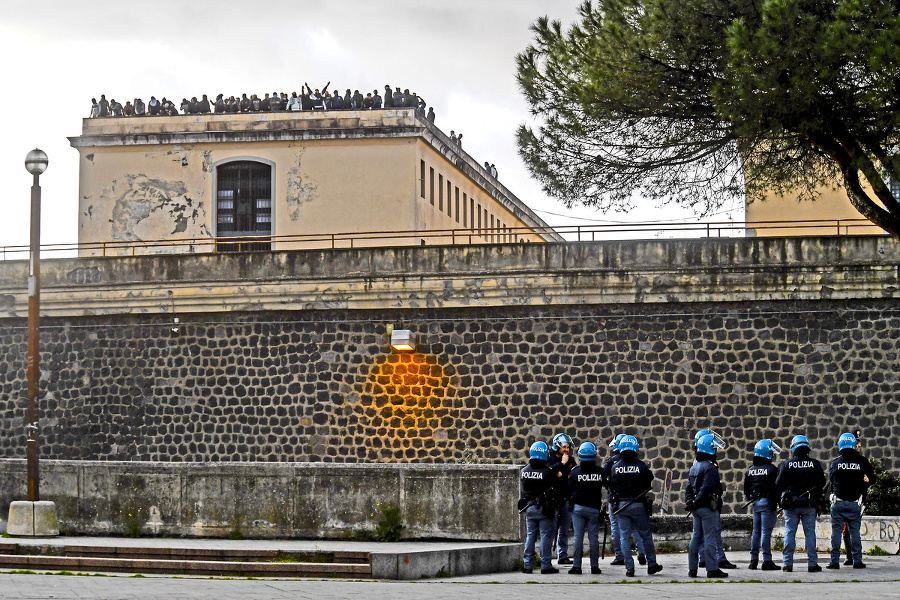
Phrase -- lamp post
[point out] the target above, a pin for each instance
(36, 163)
(33, 517)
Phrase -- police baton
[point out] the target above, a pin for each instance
(535, 501)
(605, 531)
(632, 501)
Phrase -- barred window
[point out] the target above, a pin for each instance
(243, 206)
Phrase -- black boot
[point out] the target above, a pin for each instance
(727, 564)
(753, 564)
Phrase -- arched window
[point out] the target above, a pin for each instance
(243, 206)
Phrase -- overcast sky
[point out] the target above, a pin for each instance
(458, 55)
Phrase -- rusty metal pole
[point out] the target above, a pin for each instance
(34, 322)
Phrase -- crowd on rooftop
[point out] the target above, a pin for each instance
(308, 99)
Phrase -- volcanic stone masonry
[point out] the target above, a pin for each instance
(483, 384)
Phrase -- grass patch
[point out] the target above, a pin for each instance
(303, 557)
(666, 548)
(442, 573)
(778, 542)
(877, 550)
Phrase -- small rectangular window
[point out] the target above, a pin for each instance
(472, 212)
(479, 216)
(457, 205)
(422, 179)
(432, 185)
(465, 212)
(441, 193)
(485, 223)
(493, 231)
(449, 198)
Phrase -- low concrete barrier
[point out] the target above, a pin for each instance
(452, 562)
(883, 532)
(272, 500)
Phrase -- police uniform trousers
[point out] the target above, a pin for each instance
(763, 523)
(614, 532)
(703, 538)
(563, 524)
(720, 546)
(792, 518)
(633, 519)
(585, 518)
(538, 524)
(845, 511)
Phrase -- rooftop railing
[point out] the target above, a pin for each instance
(509, 235)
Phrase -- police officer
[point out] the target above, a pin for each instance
(703, 498)
(631, 482)
(849, 475)
(618, 559)
(800, 483)
(561, 459)
(538, 502)
(721, 559)
(759, 487)
(586, 483)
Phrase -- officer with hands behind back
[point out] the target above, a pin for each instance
(586, 484)
(561, 459)
(849, 476)
(538, 502)
(618, 559)
(703, 497)
(800, 483)
(631, 482)
(759, 488)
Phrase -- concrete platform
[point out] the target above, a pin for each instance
(401, 560)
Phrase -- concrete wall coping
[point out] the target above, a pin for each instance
(262, 466)
(513, 275)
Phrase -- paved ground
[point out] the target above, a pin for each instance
(880, 580)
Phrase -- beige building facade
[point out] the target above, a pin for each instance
(282, 181)
(830, 214)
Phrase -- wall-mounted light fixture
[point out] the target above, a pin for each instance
(403, 340)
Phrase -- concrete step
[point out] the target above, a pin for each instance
(195, 561)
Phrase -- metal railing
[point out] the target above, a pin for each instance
(509, 235)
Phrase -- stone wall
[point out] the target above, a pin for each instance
(324, 387)
(816, 353)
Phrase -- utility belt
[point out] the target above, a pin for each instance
(836, 499)
(712, 502)
(792, 501)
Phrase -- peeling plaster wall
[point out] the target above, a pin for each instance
(134, 195)
(154, 179)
